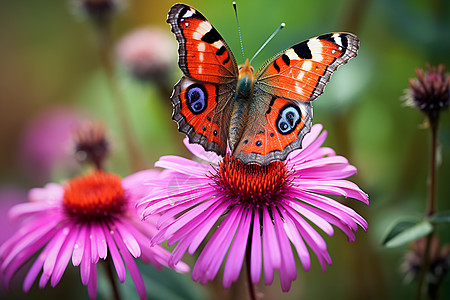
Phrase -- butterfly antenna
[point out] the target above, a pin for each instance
(268, 40)
(239, 29)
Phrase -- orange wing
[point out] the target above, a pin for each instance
(200, 109)
(302, 71)
(203, 54)
(276, 126)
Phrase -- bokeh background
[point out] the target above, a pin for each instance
(51, 78)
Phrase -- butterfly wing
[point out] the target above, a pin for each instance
(280, 110)
(275, 127)
(302, 71)
(201, 99)
(200, 109)
(203, 54)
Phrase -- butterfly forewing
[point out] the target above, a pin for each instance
(201, 99)
(302, 71)
(203, 54)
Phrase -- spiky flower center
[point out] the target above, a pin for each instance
(95, 196)
(252, 183)
(431, 90)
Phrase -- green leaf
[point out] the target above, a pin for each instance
(441, 217)
(405, 232)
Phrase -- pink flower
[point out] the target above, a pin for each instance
(91, 217)
(148, 53)
(262, 211)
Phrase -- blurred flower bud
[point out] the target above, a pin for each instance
(439, 262)
(430, 92)
(149, 54)
(91, 144)
(97, 9)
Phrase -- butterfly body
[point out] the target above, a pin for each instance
(260, 116)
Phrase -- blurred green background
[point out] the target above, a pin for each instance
(50, 69)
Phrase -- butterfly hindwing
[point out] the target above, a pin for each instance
(302, 71)
(200, 111)
(276, 126)
(203, 54)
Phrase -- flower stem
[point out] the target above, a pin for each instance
(105, 45)
(431, 205)
(251, 287)
(109, 271)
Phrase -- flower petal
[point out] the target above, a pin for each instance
(117, 259)
(271, 250)
(255, 259)
(237, 251)
(131, 265)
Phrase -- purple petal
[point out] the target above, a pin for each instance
(198, 238)
(128, 239)
(237, 251)
(305, 211)
(183, 165)
(312, 237)
(64, 256)
(202, 226)
(102, 247)
(135, 181)
(200, 152)
(117, 260)
(34, 270)
(255, 259)
(93, 242)
(48, 252)
(167, 216)
(57, 242)
(78, 248)
(32, 209)
(201, 210)
(92, 283)
(131, 265)
(296, 239)
(285, 247)
(27, 238)
(272, 256)
(51, 193)
(333, 207)
(85, 266)
(211, 258)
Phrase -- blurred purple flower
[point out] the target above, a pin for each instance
(90, 217)
(46, 144)
(148, 53)
(263, 210)
(9, 196)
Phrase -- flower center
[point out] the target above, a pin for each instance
(94, 196)
(252, 183)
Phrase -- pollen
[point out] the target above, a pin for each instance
(251, 183)
(94, 196)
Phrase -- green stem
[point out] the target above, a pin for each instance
(110, 272)
(105, 46)
(431, 206)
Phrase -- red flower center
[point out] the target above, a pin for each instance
(252, 183)
(94, 196)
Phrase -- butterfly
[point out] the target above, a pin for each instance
(261, 116)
